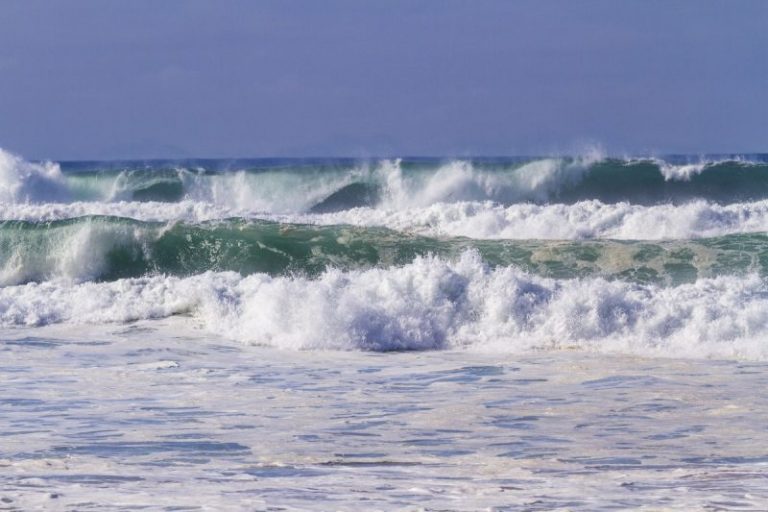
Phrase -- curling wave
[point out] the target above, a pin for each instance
(321, 186)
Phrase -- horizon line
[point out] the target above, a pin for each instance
(624, 155)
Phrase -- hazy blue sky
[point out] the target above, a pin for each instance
(141, 78)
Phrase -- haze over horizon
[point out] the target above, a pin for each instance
(115, 80)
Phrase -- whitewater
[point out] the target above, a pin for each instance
(587, 251)
(519, 333)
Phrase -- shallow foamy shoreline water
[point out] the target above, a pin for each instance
(158, 415)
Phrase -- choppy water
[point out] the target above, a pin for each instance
(580, 333)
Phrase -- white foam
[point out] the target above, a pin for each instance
(686, 171)
(582, 220)
(682, 172)
(428, 304)
(22, 181)
(486, 220)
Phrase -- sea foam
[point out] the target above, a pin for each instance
(482, 220)
(428, 304)
(582, 220)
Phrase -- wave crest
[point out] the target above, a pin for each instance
(338, 185)
(23, 181)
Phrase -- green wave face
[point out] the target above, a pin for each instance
(108, 248)
(646, 182)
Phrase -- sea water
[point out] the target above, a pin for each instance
(581, 333)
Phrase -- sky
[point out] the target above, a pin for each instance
(111, 79)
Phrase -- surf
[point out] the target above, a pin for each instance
(101, 248)
(428, 304)
(330, 185)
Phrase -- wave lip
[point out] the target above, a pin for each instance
(430, 303)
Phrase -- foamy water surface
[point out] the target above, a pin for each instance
(158, 416)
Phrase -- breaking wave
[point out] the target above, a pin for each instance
(580, 221)
(430, 303)
(110, 248)
(337, 185)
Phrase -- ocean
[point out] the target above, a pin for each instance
(574, 333)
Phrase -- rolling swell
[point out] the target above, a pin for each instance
(108, 248)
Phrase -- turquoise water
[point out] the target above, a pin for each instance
(123, 247)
